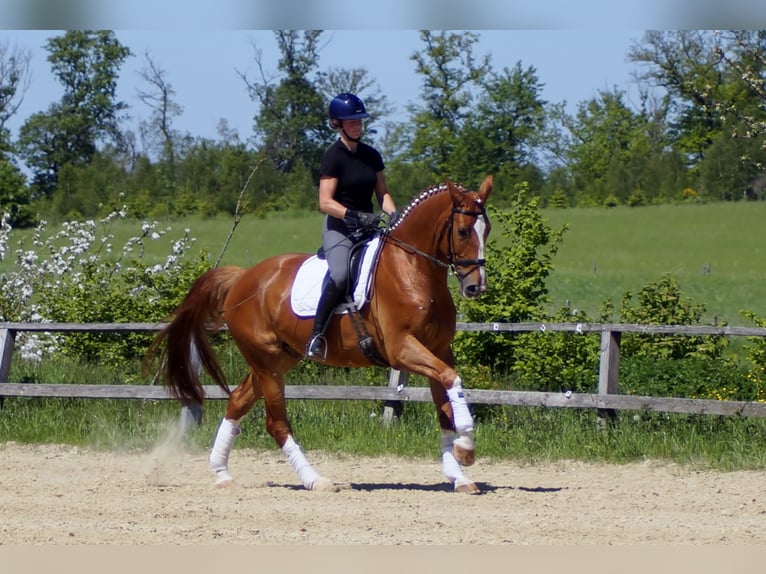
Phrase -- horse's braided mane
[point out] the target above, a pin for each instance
(422, 197)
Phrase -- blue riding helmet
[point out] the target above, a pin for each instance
(347, 106)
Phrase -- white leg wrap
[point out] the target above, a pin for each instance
(460, 413)
(297, 460)
(224, 441)
(450, 466)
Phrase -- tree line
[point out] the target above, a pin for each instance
(697, 133)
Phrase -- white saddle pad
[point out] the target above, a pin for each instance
(307, 286)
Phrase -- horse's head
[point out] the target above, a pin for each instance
(467, 233)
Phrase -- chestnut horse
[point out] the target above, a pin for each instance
(410, 317)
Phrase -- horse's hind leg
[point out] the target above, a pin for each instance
(278, 426)
(240, 402)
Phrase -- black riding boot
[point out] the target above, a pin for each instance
(317, 346)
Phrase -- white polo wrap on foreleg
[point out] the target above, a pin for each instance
(450, 466)
(224, 441)
(461, 416)
(297, 460)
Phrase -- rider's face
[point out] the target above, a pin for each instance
(353, 127)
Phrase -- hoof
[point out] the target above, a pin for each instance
(224, 480)
(467, 487)
(323, 484)
(464, 450)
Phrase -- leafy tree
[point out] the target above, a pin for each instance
(510, 115)
(451, 74)
(406, 179)
(558, 188)
(210, 175)
(723, 175)
(744, 53)
(86, 190)
(14, 81)
(713, 80)
(87, 64)
(158, 97)
(14, 195)
(291, 126)
(609, 148)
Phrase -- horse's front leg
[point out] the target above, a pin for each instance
(240, 402)
(455, 420)
(453, 444)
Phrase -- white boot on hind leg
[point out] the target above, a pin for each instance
(228, 431)
(308, 476)
(223, 479)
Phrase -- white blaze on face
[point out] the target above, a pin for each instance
(480, 227)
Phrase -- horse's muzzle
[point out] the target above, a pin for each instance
(473, 290)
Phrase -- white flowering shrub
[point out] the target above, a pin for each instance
(78, 276)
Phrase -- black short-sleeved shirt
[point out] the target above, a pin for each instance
(356, 172)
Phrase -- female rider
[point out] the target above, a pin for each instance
(350, 172)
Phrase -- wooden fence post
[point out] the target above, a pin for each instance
(393, 409)
(7, 340)
(608, 373)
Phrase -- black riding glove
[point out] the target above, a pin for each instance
(360, 219)
(392, 218)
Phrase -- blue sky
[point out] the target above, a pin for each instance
(576, 47)
(203, 65)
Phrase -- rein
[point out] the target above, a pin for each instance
(452, 264)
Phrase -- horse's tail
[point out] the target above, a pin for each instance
(187, 344)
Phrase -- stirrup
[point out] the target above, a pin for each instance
(317, 348)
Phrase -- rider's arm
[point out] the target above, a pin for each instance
(327, 204)
(385, 200)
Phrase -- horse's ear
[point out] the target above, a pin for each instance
(486, 188)
(457, 195)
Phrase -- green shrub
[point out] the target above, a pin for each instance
(663, 303)
(558, 361)
(516, 290)
(691, 378)
(77, 276)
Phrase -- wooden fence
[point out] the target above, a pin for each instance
(397, 392)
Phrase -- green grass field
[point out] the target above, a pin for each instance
(715, 251)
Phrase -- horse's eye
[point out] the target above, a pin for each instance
(463, 232)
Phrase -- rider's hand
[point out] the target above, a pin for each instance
(360, 219)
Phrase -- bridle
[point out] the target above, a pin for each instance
(452, 264)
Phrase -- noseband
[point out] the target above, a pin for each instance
(452, 264)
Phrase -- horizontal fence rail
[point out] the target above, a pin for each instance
(397, 392)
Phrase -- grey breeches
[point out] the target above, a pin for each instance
(337, 248)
